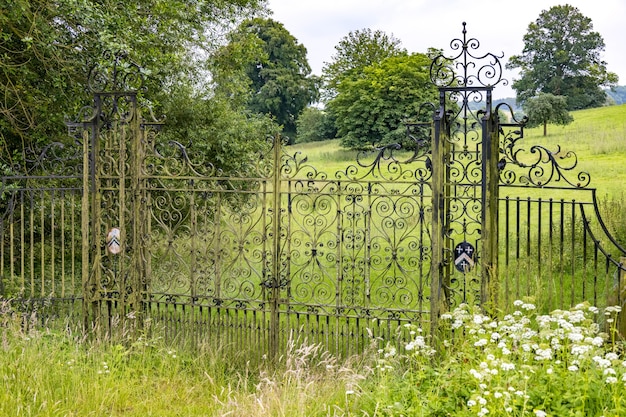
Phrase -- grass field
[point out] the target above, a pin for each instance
(598, 136)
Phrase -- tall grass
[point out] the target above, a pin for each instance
(523, 364)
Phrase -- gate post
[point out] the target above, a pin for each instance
(139, 257)
(465, 178)
(274, 281)
(438, 300)
(489, 196)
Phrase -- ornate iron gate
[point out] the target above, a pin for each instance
(464, 214)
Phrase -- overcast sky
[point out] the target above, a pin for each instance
(499, 25)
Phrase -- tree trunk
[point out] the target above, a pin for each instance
(545, 128)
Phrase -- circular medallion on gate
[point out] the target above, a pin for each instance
(464, 257)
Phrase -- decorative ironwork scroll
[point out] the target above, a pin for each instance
(537, 166)
(467, 68)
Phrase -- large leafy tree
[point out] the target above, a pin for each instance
(315, 125)
(371, 109)
(547, 108)
(47, 47)
(356, 51)
(263, 55)
(562, 56)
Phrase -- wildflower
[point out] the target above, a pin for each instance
(597, 341)
(349, 392)
(612, 309)
(476, 374)
(601, 362)
(580, 350)
(471, 403)
(575, 337)
(518, 303)
(390, 353)
(540, 413)
(572, 368)
(611, 380)
(543, 354)
(507, 366)
(480, 342)
(483, 411)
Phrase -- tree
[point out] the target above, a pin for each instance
(562, 56)
(47, 47)
(356, 51)
(547, 108)
(278, 73)
(215, 132)
(370, 110)
(315, 125)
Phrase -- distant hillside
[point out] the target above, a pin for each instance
(509, 100)
(618, 94)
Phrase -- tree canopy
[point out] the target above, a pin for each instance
(315, 125)
(547, 108)
(47, 47)
(356, 51)
(271, 69)
(562, 56)
(370, 110)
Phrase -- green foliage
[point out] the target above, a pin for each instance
(215, 132)
(354, 52)
(315, 125)
(547, 108)
(612, 210)
(562, 56)
(522, 364)
(48, 47)
(371, 110)
(274, 66)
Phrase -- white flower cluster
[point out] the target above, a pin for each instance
(418, 345)
(515, 350)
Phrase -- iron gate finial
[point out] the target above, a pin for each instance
(467, 69)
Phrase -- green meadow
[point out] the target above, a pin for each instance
(527, 363)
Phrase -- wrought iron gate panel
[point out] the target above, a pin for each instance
(133, 227)
(210, 247)
(40, 234)
(557, 251)
(356, 249)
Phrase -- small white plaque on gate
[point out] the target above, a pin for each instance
(114, 241)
